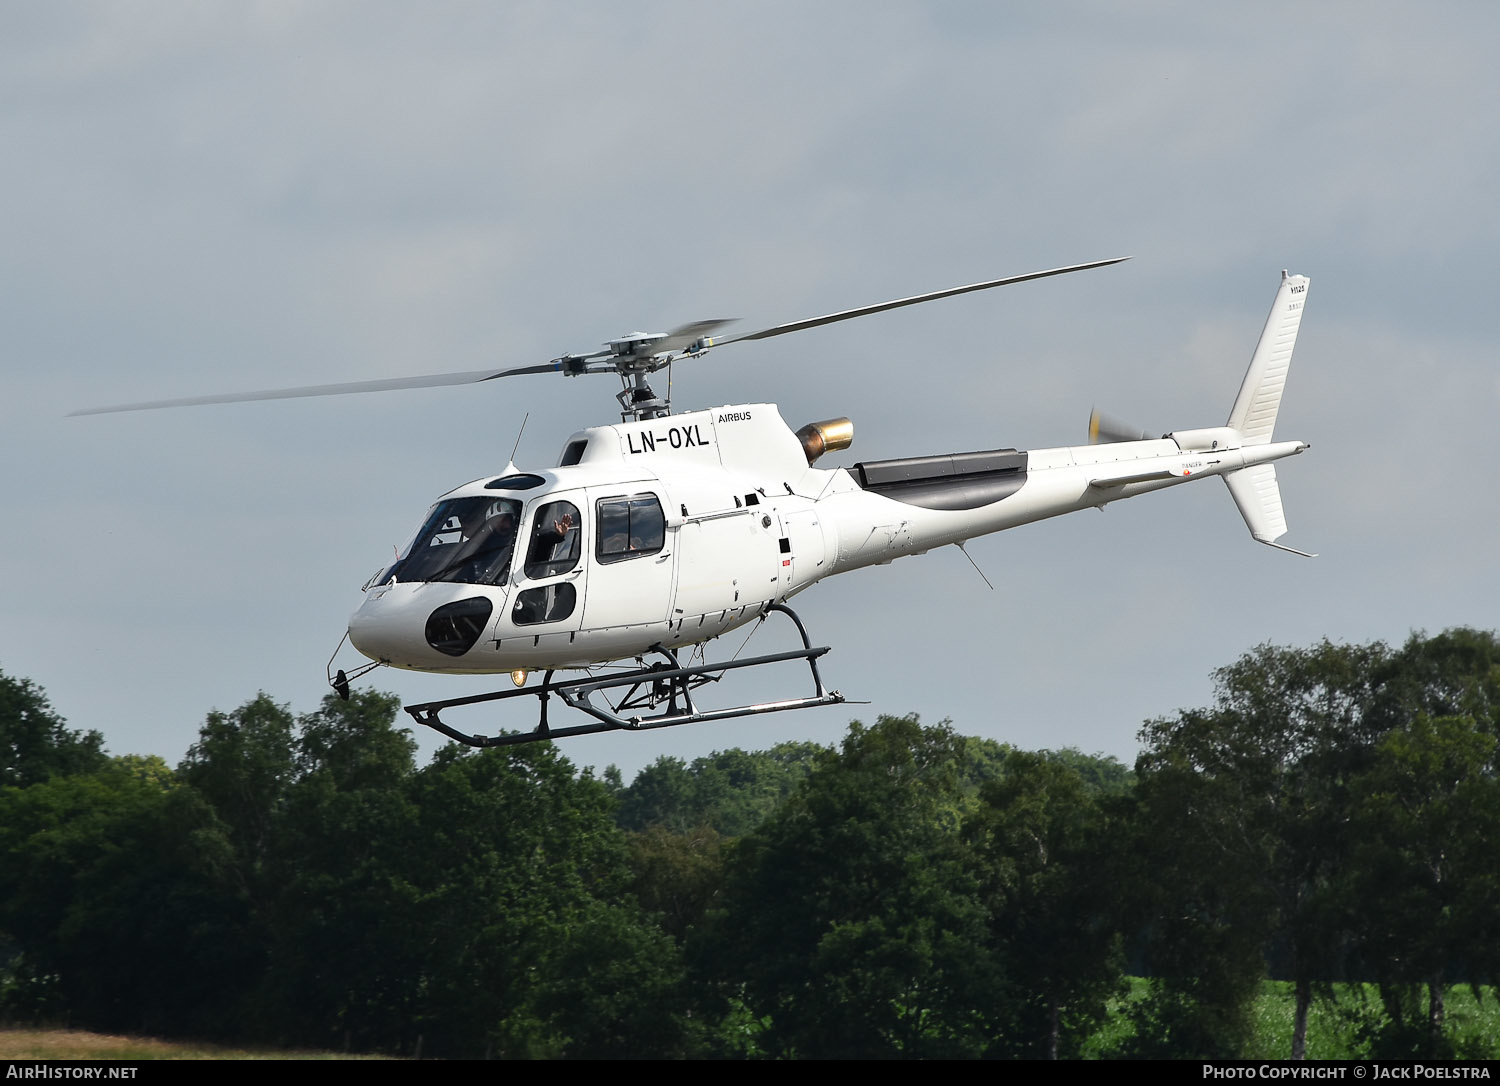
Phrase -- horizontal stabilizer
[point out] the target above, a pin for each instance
(1258, 497)
(1126, 476)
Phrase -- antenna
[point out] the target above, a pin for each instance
(519, 432)
(975, 564)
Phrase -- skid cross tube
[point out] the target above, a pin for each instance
(645, 688)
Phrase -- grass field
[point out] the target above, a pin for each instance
(1337, 1030)
(69, 1044)
(1333, 1029)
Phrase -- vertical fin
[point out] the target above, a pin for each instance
(1258, 497)
(1255, 491)
(1254, 412)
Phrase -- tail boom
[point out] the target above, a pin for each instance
(908, 506)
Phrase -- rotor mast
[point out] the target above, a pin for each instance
(638, 355)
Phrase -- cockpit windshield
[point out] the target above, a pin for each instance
(467, 540)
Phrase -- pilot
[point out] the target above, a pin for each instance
(489, 548)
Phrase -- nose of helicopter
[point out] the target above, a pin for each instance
(419, 626)
(381, 628)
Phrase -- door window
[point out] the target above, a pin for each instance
(629, 528)
(550, 603)
(553, 549)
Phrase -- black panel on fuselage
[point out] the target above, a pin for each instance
(951, 481)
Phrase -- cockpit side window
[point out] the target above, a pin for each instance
(554, 548)
(467, 540)
(630, 528)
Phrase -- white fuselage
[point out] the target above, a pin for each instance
(674, 530)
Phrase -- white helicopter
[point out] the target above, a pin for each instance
(665, 531)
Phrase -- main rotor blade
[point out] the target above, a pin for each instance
(430, 381)
(688, 336)
(862, 311)
(685, 335)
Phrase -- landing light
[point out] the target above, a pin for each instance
(518, 676)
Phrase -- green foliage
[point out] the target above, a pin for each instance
(35, 743)
(1336, 802)
(1352, 1024)
(1042, 847)
(337, 908)
(615, 988)
(477, 906)
(112, 883)
(353, 745)
(1424, 818)
(1196, 841)
(242, 765)
(850, 921)
(731, 791)
(1240, 821)
(664, 793)
(910, 894)
(984, 761)
(1101, 775)
(523, 868)
(1455, 673)
(677, 876)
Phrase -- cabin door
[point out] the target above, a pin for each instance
(632, 561)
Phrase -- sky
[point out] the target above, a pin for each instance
(214, 198)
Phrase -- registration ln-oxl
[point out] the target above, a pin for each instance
(664, 531)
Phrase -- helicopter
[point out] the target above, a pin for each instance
(658, 534)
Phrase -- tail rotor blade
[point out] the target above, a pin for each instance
(1105, 429)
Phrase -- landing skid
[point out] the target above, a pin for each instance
(666, 685)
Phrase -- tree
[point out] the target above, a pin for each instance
(1330, 810)
(1042, 848)
(1197, 842)
(113, 885)
(663, 794)
(477, 906)
(532, 944)
(242, 765)
(35, 743)
(1455, 673)
(1244, 815)
(352, 745)
(1425, 817)
(850, 923)
(677, 876)
(1101, 775)
(615, 988)
(732, 791)
(340, 911)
